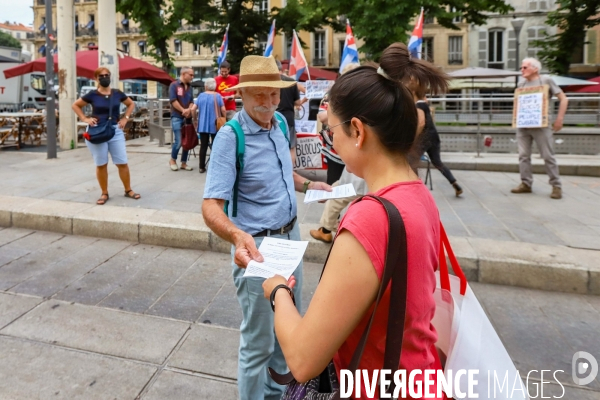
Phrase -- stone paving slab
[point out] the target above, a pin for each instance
(31, 370)
(209, 350)
(13, 306)
(17, 271)
(195, 289)
(181, 386)
(99, 283)
(99, 330)
(25, 245)
(538, 328)
(68, 270)
(143, 289)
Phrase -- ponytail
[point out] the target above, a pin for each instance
(380, 98)
(398, 64)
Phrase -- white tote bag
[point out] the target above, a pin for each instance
(468, 339)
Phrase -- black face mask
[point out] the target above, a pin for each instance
(104, 82)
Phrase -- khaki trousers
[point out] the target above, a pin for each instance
(333, 208)
(543, 139)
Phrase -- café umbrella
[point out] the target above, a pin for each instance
(87, 62)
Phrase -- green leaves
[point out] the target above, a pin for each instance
(7, 40)
(572, 18)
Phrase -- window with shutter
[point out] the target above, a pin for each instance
(592, 38)
(534, 34)
(496, 49)
(428, 49)
(533, 5)
(455, 55)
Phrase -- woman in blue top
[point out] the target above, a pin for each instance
(208, 103)
(101, 100)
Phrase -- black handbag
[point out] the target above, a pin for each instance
(102, 133)
(326, 385)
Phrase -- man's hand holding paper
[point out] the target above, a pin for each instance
(281, 257)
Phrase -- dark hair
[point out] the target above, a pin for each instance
(225, 64)
(385, 103)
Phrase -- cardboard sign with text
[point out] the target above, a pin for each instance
(531, 107)
(317, 89)
(308, 152)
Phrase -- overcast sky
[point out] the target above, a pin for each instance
(16, 11)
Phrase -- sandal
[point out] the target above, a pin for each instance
(101, 201)
(135, 196)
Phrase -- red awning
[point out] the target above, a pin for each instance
(585, 89)
(315, 73)
(87, 62)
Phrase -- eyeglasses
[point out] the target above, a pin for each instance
(104, 76)
(327, 133)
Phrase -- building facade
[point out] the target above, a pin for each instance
(446, 48)
(20, 32)
(130, 39)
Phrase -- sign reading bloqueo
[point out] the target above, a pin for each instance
(308, 146)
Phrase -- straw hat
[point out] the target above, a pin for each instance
(258, 71)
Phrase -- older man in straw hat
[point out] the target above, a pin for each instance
(266, 206)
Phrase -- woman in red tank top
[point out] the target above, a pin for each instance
(373, 120)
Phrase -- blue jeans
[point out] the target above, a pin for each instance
(259, 347)
(176, 124)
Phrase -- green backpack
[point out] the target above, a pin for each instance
(240, 145)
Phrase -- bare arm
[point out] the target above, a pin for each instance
(78, 109)
(219, 223)
(301, 101)
(299, 184)
(223, 111)
(309, 342)
(421, 124)
(562, 110)
(130, 107)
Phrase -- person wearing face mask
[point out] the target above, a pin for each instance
(102, 100)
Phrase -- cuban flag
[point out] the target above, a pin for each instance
(298, 63)
(350, 53)
(415, 43)
(223, 50)
(270, 41)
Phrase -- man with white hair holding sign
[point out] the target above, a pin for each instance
(530, 69)
(251, 176)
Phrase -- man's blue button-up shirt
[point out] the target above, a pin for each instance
(266, 194)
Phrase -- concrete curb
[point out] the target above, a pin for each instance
(552, 268)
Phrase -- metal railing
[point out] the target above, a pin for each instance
(498, 111)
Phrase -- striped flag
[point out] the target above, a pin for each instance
(223, 50)
(270, 41)
(416, 40)
(350, 53)
(298, 63)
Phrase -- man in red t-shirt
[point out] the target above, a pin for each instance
(225, 81)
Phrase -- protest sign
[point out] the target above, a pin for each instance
(306, 126)
(317, 89)
(308, 152)
(531, 107)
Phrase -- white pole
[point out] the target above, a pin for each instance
(67, 87)
(107, 39)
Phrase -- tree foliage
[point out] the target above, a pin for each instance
(380, 23)
(7, 40)
(160, 20)
(572, 18)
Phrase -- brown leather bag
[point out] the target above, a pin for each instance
(220, 121)
(189, 137)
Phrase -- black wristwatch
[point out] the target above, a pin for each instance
(282, 286)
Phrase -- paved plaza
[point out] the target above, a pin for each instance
(87, 318)
(135, 299)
